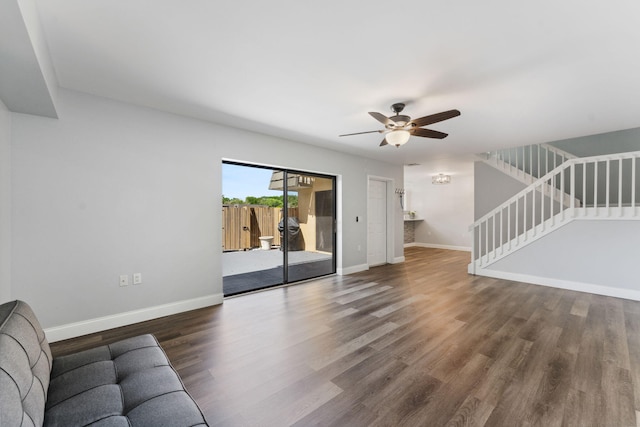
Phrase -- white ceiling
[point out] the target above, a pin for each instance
(520, 72)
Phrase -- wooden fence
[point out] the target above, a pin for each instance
(242, 225)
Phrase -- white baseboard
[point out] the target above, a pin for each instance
(351, 270)
(591, 288)
(72, 330)
(363, 267)
(437, 246)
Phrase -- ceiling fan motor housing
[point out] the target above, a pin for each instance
(397, 107)
(399, 120)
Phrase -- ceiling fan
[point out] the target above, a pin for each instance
(399, 128)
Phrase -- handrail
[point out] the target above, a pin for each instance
(535, 210)
(565, 165)
(521, 162)
(559, 151)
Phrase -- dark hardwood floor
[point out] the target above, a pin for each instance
(420, 343)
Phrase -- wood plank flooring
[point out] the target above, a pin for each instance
(420, 343)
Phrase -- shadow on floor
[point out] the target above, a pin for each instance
(246, 282)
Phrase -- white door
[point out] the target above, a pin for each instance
(377, 224)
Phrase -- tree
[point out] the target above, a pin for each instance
(271, 201)
(234, 201)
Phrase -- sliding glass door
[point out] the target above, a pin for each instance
(278, 227)
(311, 250)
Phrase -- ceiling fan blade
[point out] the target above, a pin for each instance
(435, 118)
(428, 133)
(360, 133)
(382, 118)
(384, 142)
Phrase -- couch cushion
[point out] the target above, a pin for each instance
(128, 383)
(164, 410)
(25, 365)
(81, 379)
(86, 407)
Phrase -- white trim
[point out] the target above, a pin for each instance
(591, 288)
(351, 270)
(437, 246)
(398, 260)
(72, 330)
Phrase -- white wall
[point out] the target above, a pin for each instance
(111, 189)
(597, 256)
(448, 209)
(5, 204)
(492, 188)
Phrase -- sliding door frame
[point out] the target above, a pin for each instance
(285, 214)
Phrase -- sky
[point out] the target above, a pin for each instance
(242, 181)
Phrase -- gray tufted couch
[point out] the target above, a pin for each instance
(128, 383)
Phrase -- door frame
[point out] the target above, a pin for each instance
(389, 183)
(336, 189)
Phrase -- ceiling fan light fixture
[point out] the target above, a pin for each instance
(398, 137)
(399, 128)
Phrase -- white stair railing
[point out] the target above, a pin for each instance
(528, 162)
(602, 187)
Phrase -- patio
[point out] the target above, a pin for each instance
(239, 262)
(244, 271)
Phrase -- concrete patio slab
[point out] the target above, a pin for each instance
(240, 262)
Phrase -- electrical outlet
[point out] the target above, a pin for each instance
(124, 280)
(137, 278)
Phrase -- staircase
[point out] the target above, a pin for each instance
(528, 163)
(600, 187)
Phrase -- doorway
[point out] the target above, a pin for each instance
(377, 222)
(278, 226)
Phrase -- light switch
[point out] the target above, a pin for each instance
(124, 280)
